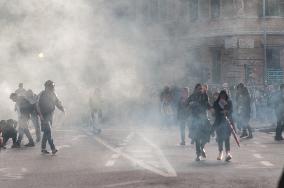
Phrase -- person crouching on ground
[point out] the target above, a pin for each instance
(9, 131)
(223, 108)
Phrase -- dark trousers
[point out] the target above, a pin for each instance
(182, 126)
(227, 145)
(8, 135)
(25, 131)
(46, 124)
(36, 123)
(279, 129)
(199, 146)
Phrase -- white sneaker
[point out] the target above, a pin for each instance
(220, 156)
(228, 157)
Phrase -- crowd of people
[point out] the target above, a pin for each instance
(38, 109)
(209, 112)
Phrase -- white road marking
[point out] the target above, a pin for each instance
(258, 156)
(140, 151)
(166, 163)
(78, 137)
(6, 174)
(263, 146)
(135, 161)
(63, 146)
(266, 163)
(110, 163)
(255, 142)
(123, 184)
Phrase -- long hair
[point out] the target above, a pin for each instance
(223, 92)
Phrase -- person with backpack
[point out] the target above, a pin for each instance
(24, 109)
(47, 101)
(32, 98)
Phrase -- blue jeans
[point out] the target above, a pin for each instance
(46, 124)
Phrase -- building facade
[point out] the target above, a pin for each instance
(232, 40)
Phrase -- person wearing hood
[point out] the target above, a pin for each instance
(223, 108)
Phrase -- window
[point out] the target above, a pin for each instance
(216, 65)
(215, 8)
(273, 58)
(194, 10)
(274, 7)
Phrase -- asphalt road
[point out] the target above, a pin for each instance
(130, 157)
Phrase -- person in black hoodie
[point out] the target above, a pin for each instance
(183, 113)
(47, 101)
(200, 128)
(223, 108)
(243, 103)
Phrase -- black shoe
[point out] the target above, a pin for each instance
(250, 136)
(15, 146)
(198, 158)
(30, 144)
(54, 151)
(203, 153)
(44, 151)
(182, 144)
(228, 157)
(244, 134)
(278, 138)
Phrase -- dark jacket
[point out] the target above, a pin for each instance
(243, 105)
(47, 101)
(219, 115)
(279, 106)
(198, 103)
(221, 125)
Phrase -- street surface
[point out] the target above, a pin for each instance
(136, 157)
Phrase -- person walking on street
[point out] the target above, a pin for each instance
(223, 108)
(32, 98)
(183, 113)
(279, 110)
(47, 101)
(24, 109)
(243, 103)
(200, 128)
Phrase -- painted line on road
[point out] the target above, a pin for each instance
(135, 161)
(63, 146)
(110, 163)
(257, 155)
(123, 184)
(114, 157)
(166, 163)
(266, 163)
(78, 137)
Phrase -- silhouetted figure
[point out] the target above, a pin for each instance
(47, 101)
(200, 127)
(24, 109)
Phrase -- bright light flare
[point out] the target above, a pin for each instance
(40, 55)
